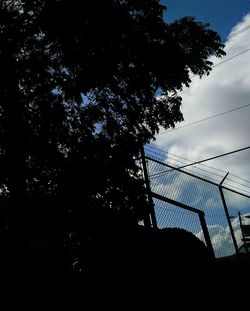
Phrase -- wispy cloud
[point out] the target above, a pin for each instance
(226, 88)
(221, 237)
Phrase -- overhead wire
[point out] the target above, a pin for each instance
(215, 157)
(240, 178)
(216, 65)
(161, 215)
(225, 112)
(238, 32)
(205, 119)
(158, 174)
(228, 59)
(219, 156)
(162, 173)
(199, 175)
(192, 161)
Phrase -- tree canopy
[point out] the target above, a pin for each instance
(83, 85)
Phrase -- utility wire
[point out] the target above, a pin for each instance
(206, 177)
(166, 153)
(216, 65)
(177, 156)
(182, 162)
(240, 178)
(162, 173)
(218, 156)
(205, 119)
(198, 175)
(215, 157)
(237, 32)
(228, 59)
(237, 55)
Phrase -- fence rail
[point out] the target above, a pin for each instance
(181, 195)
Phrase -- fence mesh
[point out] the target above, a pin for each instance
(191, 187)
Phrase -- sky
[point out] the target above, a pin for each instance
(226, 88)
(221, 237)
(222, 15)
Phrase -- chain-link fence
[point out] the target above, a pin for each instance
(190, 186)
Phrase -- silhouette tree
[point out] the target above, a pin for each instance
(83, 84)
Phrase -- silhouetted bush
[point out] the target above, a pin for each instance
(140, 249)
(141, 265)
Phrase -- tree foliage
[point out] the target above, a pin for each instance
(83, 85)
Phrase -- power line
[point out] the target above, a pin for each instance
(228, 59)
(236, 182)
(216, 65)
(182, 162)
(205, 119)
(177, 156)
(230, 37)
(240, 178)
(208, 159)
(205, 177)
(238, 32)
(216, 157)
(164, 172)
(166, 153)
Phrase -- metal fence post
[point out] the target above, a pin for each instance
(227, 215)
(200, 213)
(206, 234)
(150, 219)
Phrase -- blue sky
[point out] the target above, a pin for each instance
(201, 195)
(222, 15)
(226, 88)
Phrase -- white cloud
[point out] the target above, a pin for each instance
(226, 88)
(221, 237)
